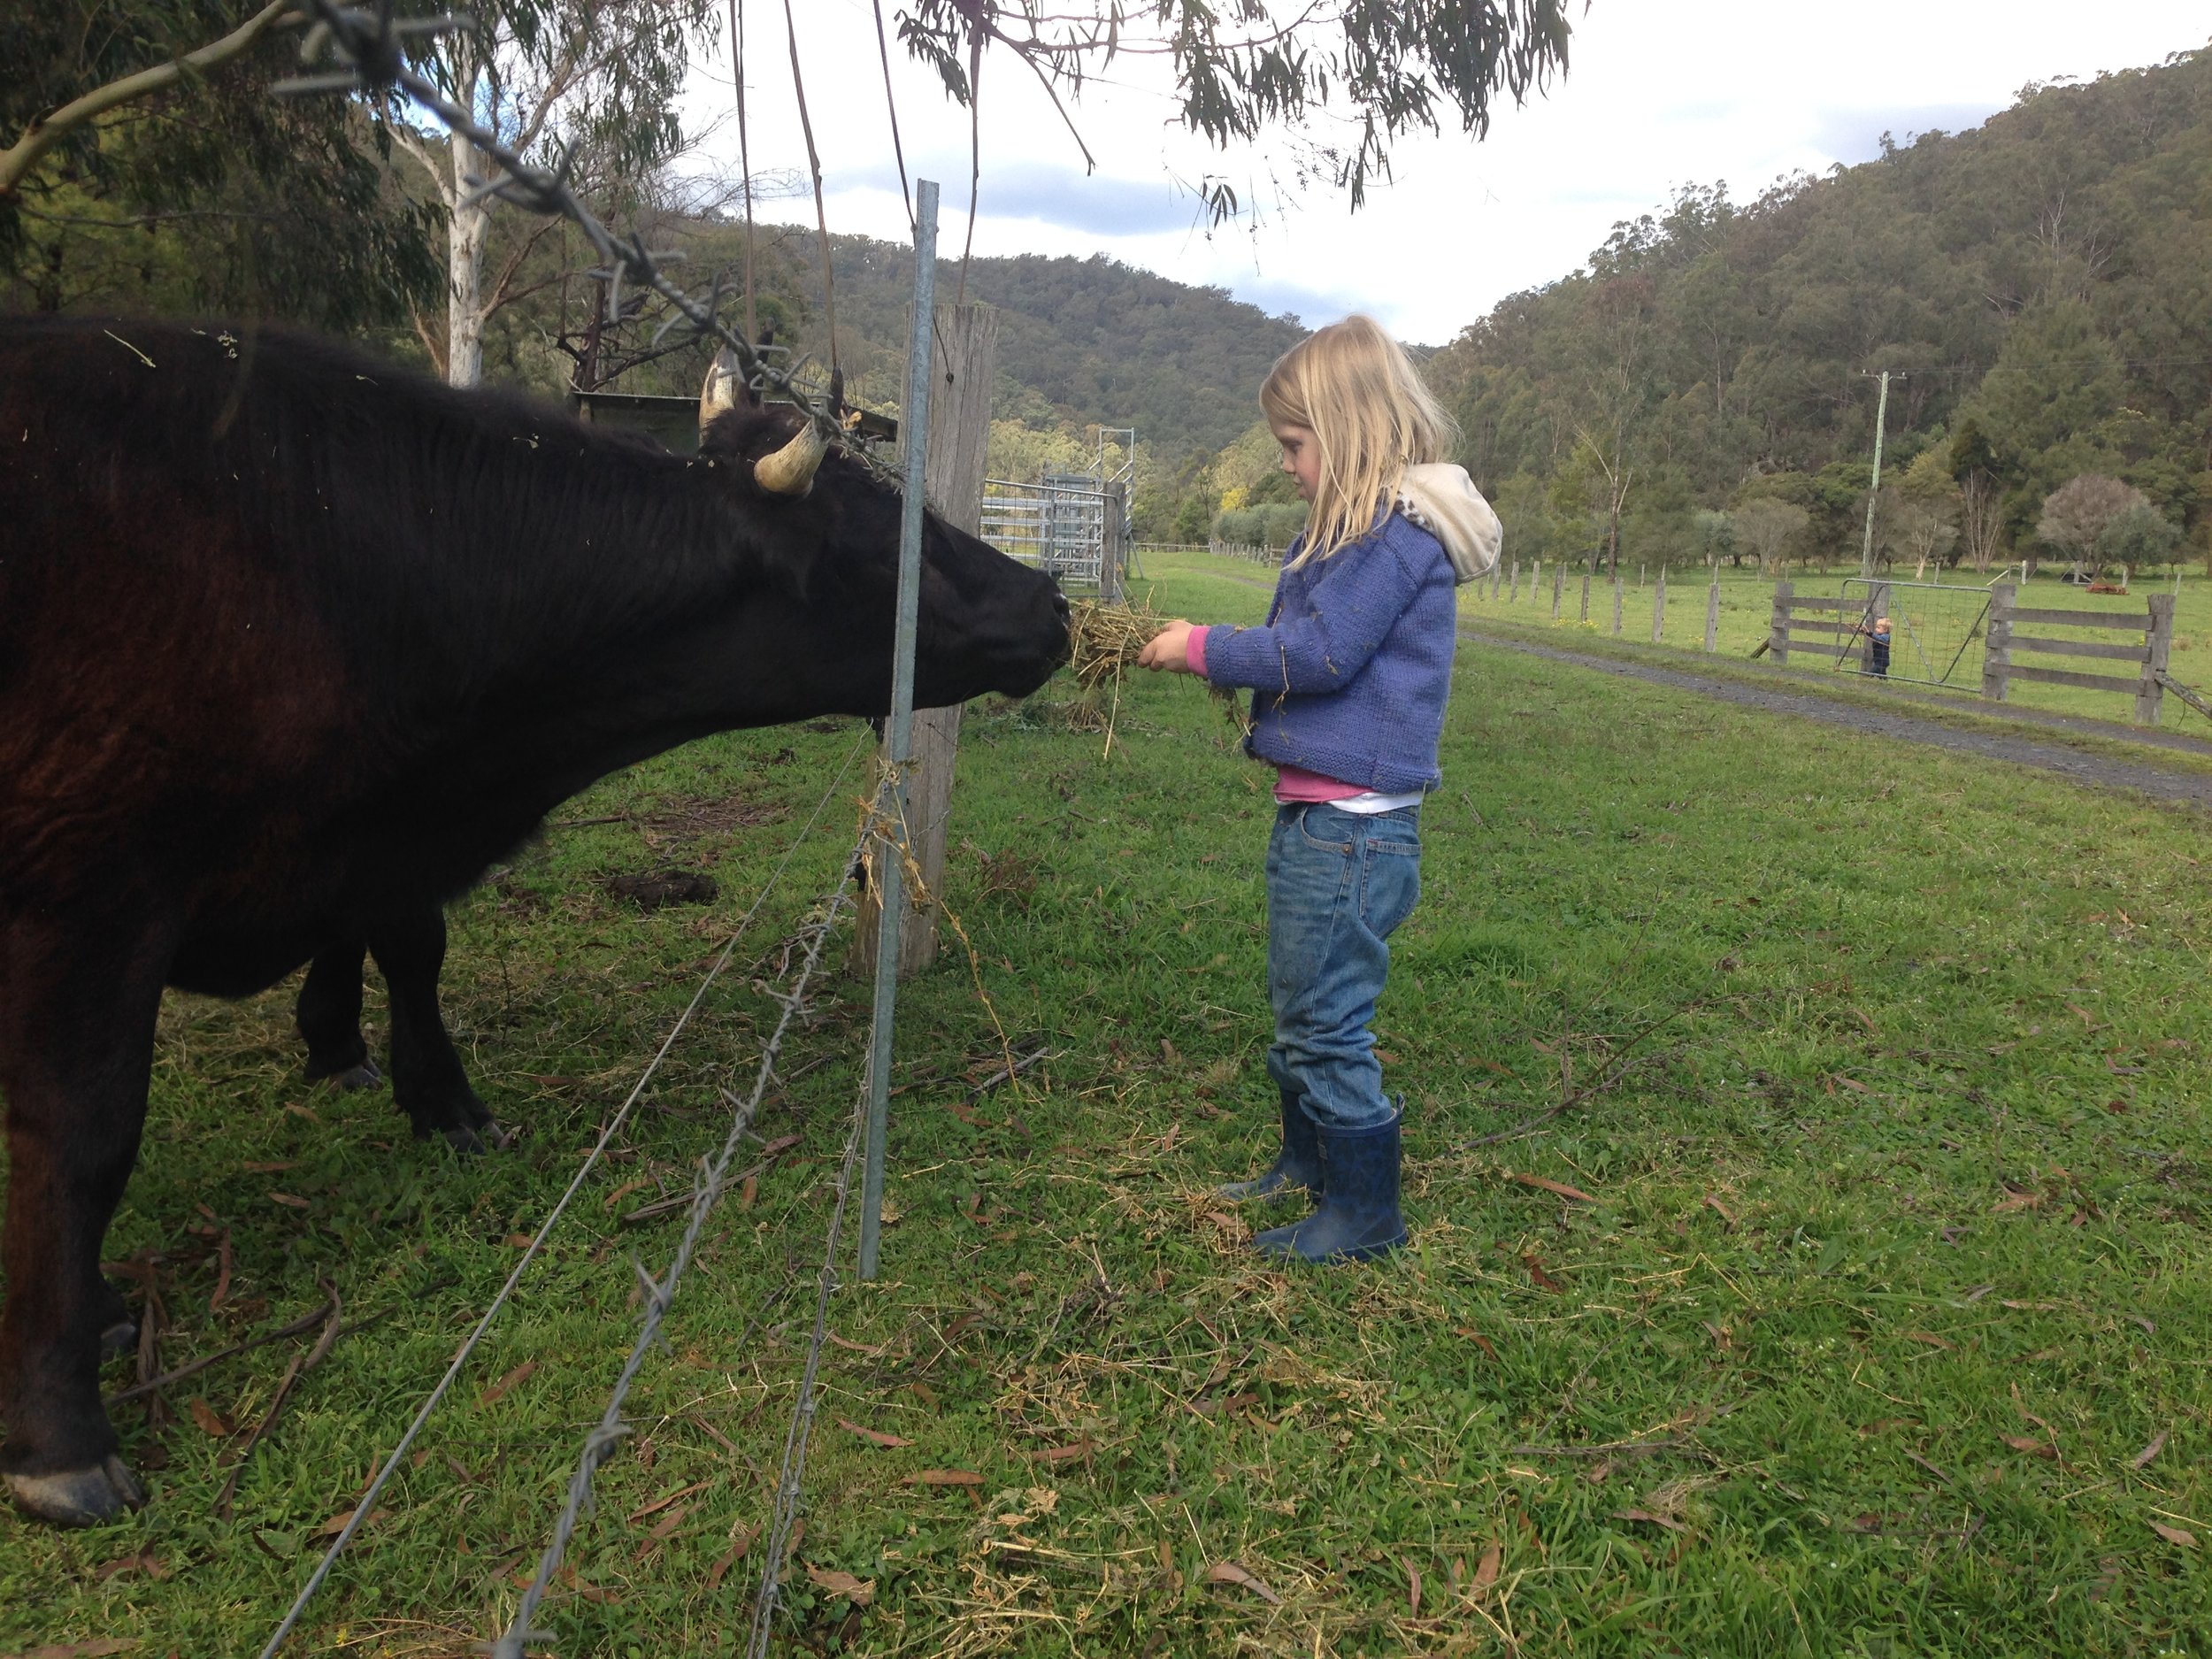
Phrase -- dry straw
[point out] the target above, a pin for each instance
(1106, 642)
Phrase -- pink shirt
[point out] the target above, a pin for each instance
(1292, 783)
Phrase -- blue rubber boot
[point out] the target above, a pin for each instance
(1358, 1217)
(1297, 1167)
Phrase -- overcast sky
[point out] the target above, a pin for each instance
(1659, 94)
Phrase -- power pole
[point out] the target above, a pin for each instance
(1881, 419)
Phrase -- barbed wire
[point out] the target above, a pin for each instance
(367, 1504)
(790, 1481)
(607, 1435)
(369, 47)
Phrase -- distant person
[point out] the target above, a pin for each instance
(1877, 648)
(1348, 679)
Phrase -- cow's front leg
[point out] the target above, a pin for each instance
(76, 1046)
(328, 1014)
(428, 1083)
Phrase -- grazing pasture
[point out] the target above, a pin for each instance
(1747, 605)
(1848, 1291)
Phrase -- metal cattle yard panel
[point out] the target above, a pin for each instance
(1057, 524)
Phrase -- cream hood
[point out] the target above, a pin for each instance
(1443, 500)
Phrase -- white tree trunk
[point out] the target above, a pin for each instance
(467, 226)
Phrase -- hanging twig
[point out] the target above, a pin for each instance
(975, 157)
(883, 51)
(814, 167)
(744, 158)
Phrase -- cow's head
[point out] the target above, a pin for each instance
(987, 623)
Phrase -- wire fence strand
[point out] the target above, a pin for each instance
(791, 1481)
(607, 1435)
(367, 1504)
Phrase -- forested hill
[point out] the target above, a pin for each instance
(1091, 339)
(2042, 285)
(1081, 341)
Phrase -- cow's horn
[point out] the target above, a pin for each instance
(790, 470)
(719, 393)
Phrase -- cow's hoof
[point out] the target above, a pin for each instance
(79, 1497)
(356, 1078)
(119, 1338)
(478, 1138)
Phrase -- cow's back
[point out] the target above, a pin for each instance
(164, 679)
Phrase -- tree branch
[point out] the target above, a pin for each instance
(440, 177)
(500, 296)
(43, 134)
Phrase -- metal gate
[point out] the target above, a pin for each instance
(1065, 525)
(1938, 633)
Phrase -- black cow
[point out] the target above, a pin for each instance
(292, 646)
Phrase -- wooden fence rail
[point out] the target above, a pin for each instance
(2148, 653)
(1832, 624)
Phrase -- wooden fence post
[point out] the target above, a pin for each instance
(1513, 594)
(2162, 644)
(1558, 586)
(959, 424)
(1997, 648)
(1586, 596)
(1712, 612)
(1616, 604)
(1535, 581)
(1659, 607)
(1778, 626)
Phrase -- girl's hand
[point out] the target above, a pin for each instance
(1169, 649)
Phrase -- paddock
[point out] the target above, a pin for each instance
(1805, 1166)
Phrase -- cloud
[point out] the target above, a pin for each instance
(1098, 205)
(1855, 136)
(1278, 296)
(1660, 96)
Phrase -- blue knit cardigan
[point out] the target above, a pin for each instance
(1350, 672)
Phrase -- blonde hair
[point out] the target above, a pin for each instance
(1353, 387)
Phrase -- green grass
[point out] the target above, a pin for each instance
(1746, 608)
(1907, 1166)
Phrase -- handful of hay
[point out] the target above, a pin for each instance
(1105, 642)
(1106, 639)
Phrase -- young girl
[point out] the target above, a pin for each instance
(1348, 678)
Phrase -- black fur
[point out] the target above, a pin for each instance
(294, 644)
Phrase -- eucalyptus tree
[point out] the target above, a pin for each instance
(557, 81)
(143, 167)
(1244, 69)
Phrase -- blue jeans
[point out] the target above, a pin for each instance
(1337, 884)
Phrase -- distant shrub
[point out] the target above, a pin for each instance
(2075, 514)
(1240, 526)
(1281, 521)
(2138, 536)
